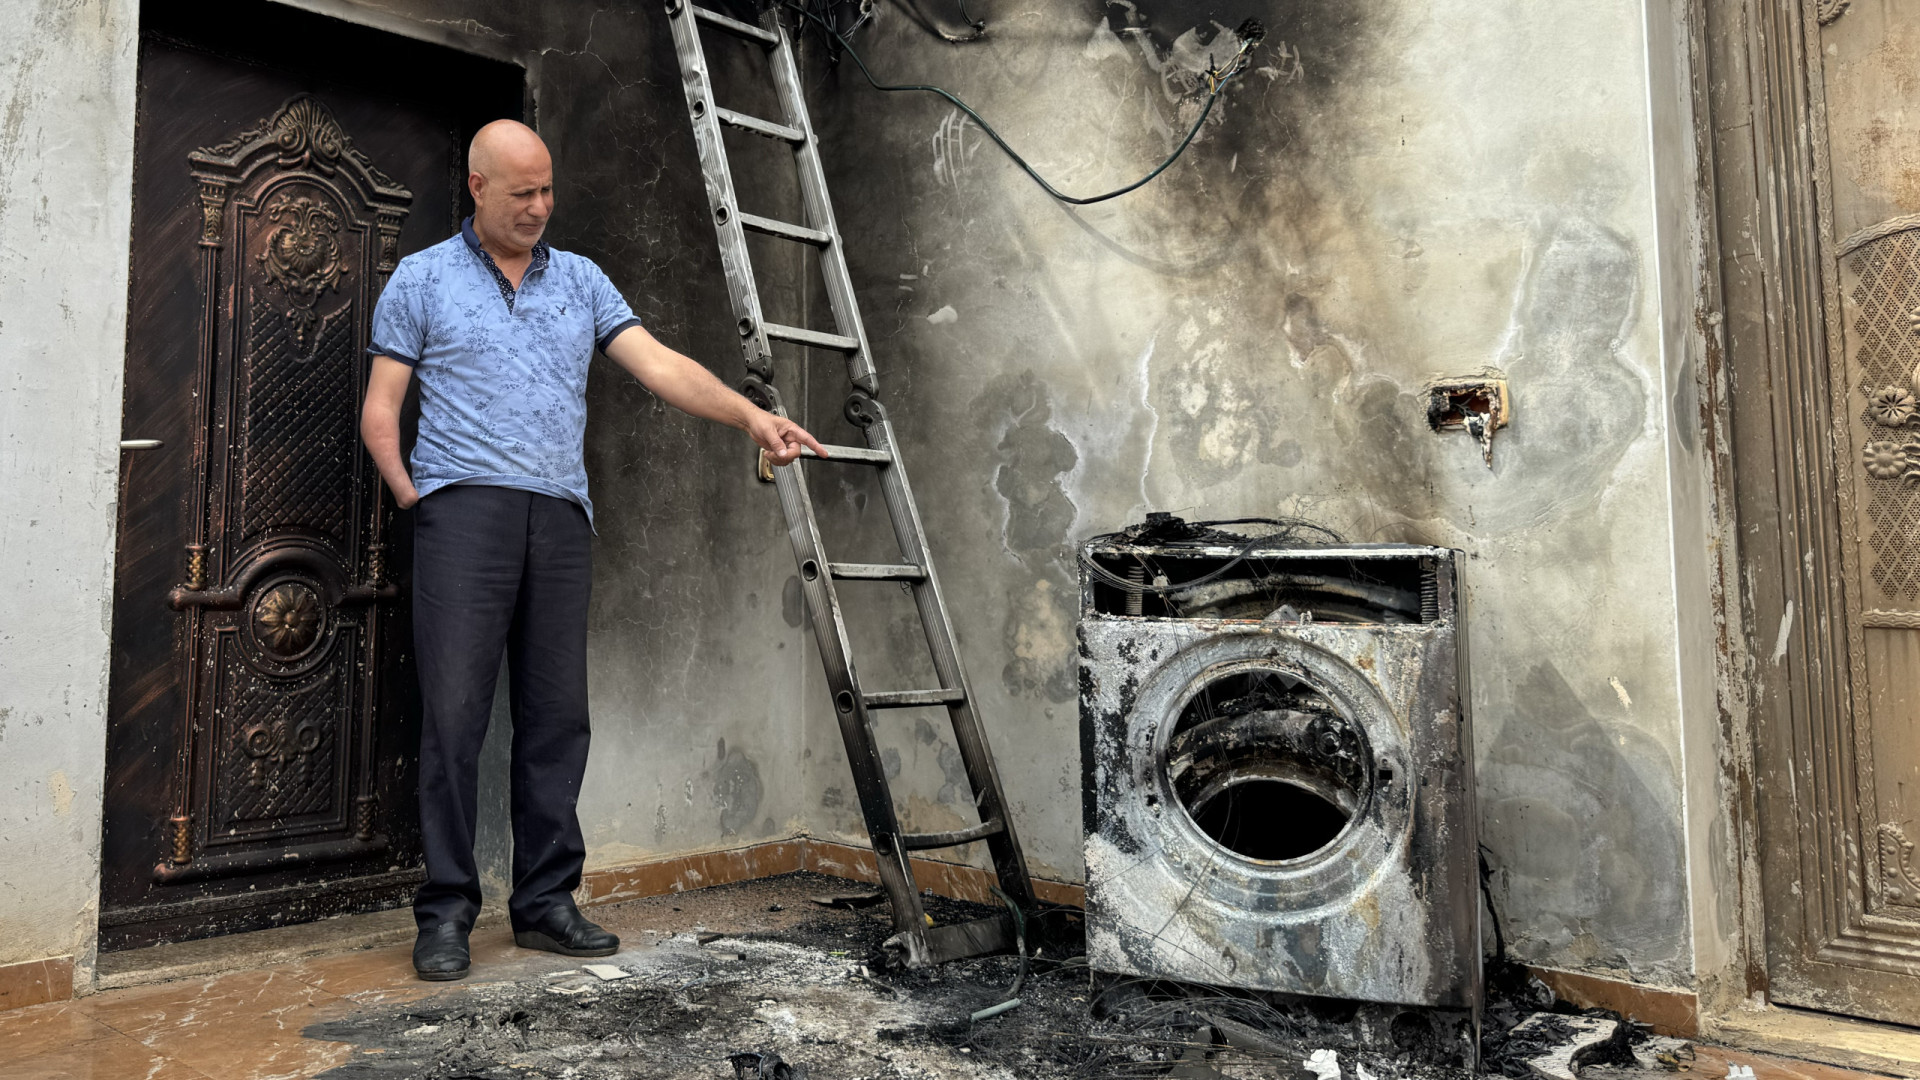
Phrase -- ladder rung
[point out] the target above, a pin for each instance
(759, 127)
(923, 841)
(860, 571)
(785, 230)
(811, 338)
(734, 26)
(908, 699)
(852, 455)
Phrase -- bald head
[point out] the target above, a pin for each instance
(506, 144)
(510, 175)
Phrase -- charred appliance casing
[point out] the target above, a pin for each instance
(1334, 676)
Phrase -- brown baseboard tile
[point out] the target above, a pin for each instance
(617, 883)
(36, 982)
(945, 879)
(1669, 1012)
(684, 872)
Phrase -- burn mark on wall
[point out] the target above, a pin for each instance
(1585, 818)
(1033, 457)
(955, 788)
(1212, 402)
(736, 790)
(1378, 413)
(793, 603)
(1039, 643)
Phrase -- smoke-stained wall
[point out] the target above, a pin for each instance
(1400, 190)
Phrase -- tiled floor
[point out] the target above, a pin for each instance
(247, 1025)
(241, 1026)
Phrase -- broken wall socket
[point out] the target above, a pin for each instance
(1478, 405)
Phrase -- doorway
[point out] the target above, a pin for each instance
(262, 722)
(1817, 179)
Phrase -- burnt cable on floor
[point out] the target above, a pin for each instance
(1250, 33)
(1019, 939)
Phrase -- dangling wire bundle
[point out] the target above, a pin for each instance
(1167, 531)
(1215, 79)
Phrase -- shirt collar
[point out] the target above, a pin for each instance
(541, 252)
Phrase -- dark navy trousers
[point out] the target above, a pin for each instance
(498, 570)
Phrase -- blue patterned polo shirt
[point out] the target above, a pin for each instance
(503, 371)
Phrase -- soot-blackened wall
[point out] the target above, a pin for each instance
(1400, 190)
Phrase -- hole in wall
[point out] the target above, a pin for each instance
(1266, 765)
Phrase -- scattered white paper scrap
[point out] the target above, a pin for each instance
(558, 974)
(1359, 1070)
(1324, 1065)
(568, 990)
(607, 972)
(1739, 1072)
(944, 315)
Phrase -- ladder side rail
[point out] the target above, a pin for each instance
(843, 686)
(989, 795)
(735, 262)
(819, 208)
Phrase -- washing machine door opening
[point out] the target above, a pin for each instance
(1266, 765)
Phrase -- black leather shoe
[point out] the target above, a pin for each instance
(440, 954)
(567, 932)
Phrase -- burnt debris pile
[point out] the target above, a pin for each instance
(809, 1001)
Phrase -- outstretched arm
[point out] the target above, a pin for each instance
(380, 426)
(685, 385)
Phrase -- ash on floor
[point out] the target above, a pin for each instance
(760, 968)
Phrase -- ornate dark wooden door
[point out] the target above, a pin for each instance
(263, 731)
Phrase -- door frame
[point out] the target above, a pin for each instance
(1788, 680)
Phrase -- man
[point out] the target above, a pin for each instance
(500, 329)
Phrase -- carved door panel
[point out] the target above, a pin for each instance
(1840, 769)
(262, 738)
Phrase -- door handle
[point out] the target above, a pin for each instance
(141, 444)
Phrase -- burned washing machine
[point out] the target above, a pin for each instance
(1278, 764)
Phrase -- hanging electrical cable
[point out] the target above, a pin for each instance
(1214, 77)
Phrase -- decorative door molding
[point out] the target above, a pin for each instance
(285, 572)
(1821, 350)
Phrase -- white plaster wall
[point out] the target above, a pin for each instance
(1686, 266)
(66, 169)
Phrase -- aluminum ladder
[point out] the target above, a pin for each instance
(914, 943)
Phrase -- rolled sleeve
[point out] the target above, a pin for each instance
(400, 319)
